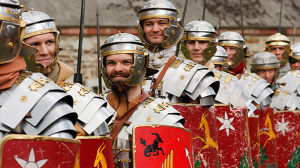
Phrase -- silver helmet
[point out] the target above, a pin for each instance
(281, 40)
(124, 43)
(221, 58)
(12, 32)
(161, 9)
(200, 31)
(233, 39)
(295, 56)
(265, 60)
(39, 23)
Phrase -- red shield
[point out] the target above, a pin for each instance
(233, 136)
(267, 137)
(96, 151)
(38, 151)
(254, 139)
(202, 123)
(162, 146)
(286, 130)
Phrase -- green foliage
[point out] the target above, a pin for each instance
(196, 163)
(255, 163)
(244, 162)
(263, 156)
(295, 159)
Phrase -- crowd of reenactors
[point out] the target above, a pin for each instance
(160, 110)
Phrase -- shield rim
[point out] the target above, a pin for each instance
(32, 137)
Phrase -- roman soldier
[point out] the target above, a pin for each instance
(199, 42)
(42, 34)
(266, 65)
(30, 102)
(159, 29)
(279, 45)
(294, 59)
(125, 64)
(234, 45)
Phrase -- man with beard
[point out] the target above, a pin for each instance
(42, 34)
(30, 103)
(124, 68)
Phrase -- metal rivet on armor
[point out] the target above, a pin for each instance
(298, 75)
(144, 82)
(16, 14)
(182, 77)
(281, 99)
(173, 31)
(7, 10)
(132, 70)
(29, 57)
(23, 99)
(295, 81)
(168, 42)
(10, 45)
(38, 69)
(75, 102)
(225, 87)
(149, 119)
(139, 72)
(153, 4)
(250, 85)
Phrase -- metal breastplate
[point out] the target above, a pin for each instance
(185, 77)
(286, 97)
(41, 105)
(91, 109)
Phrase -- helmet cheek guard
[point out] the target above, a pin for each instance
(184, 50)
(137, 71)
(209, 52)
(238, 57)
(173, 34)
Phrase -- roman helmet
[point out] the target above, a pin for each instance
(295, 56)
(233, 39)
(12, 32)
(124, 43)
(221, 58)
(281, 40)
(39, 23)
(161, 9)
(265, 60)
(200, 31)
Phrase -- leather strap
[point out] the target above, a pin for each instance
(162, 74)
(122, 120)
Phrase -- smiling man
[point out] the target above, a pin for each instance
(42, 34)
(124, 68)
(159, 30)
(199, 42)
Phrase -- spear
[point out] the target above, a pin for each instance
(78, 75)
(204, 6)
(181, 24)
(280, 16)
(98, 54)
